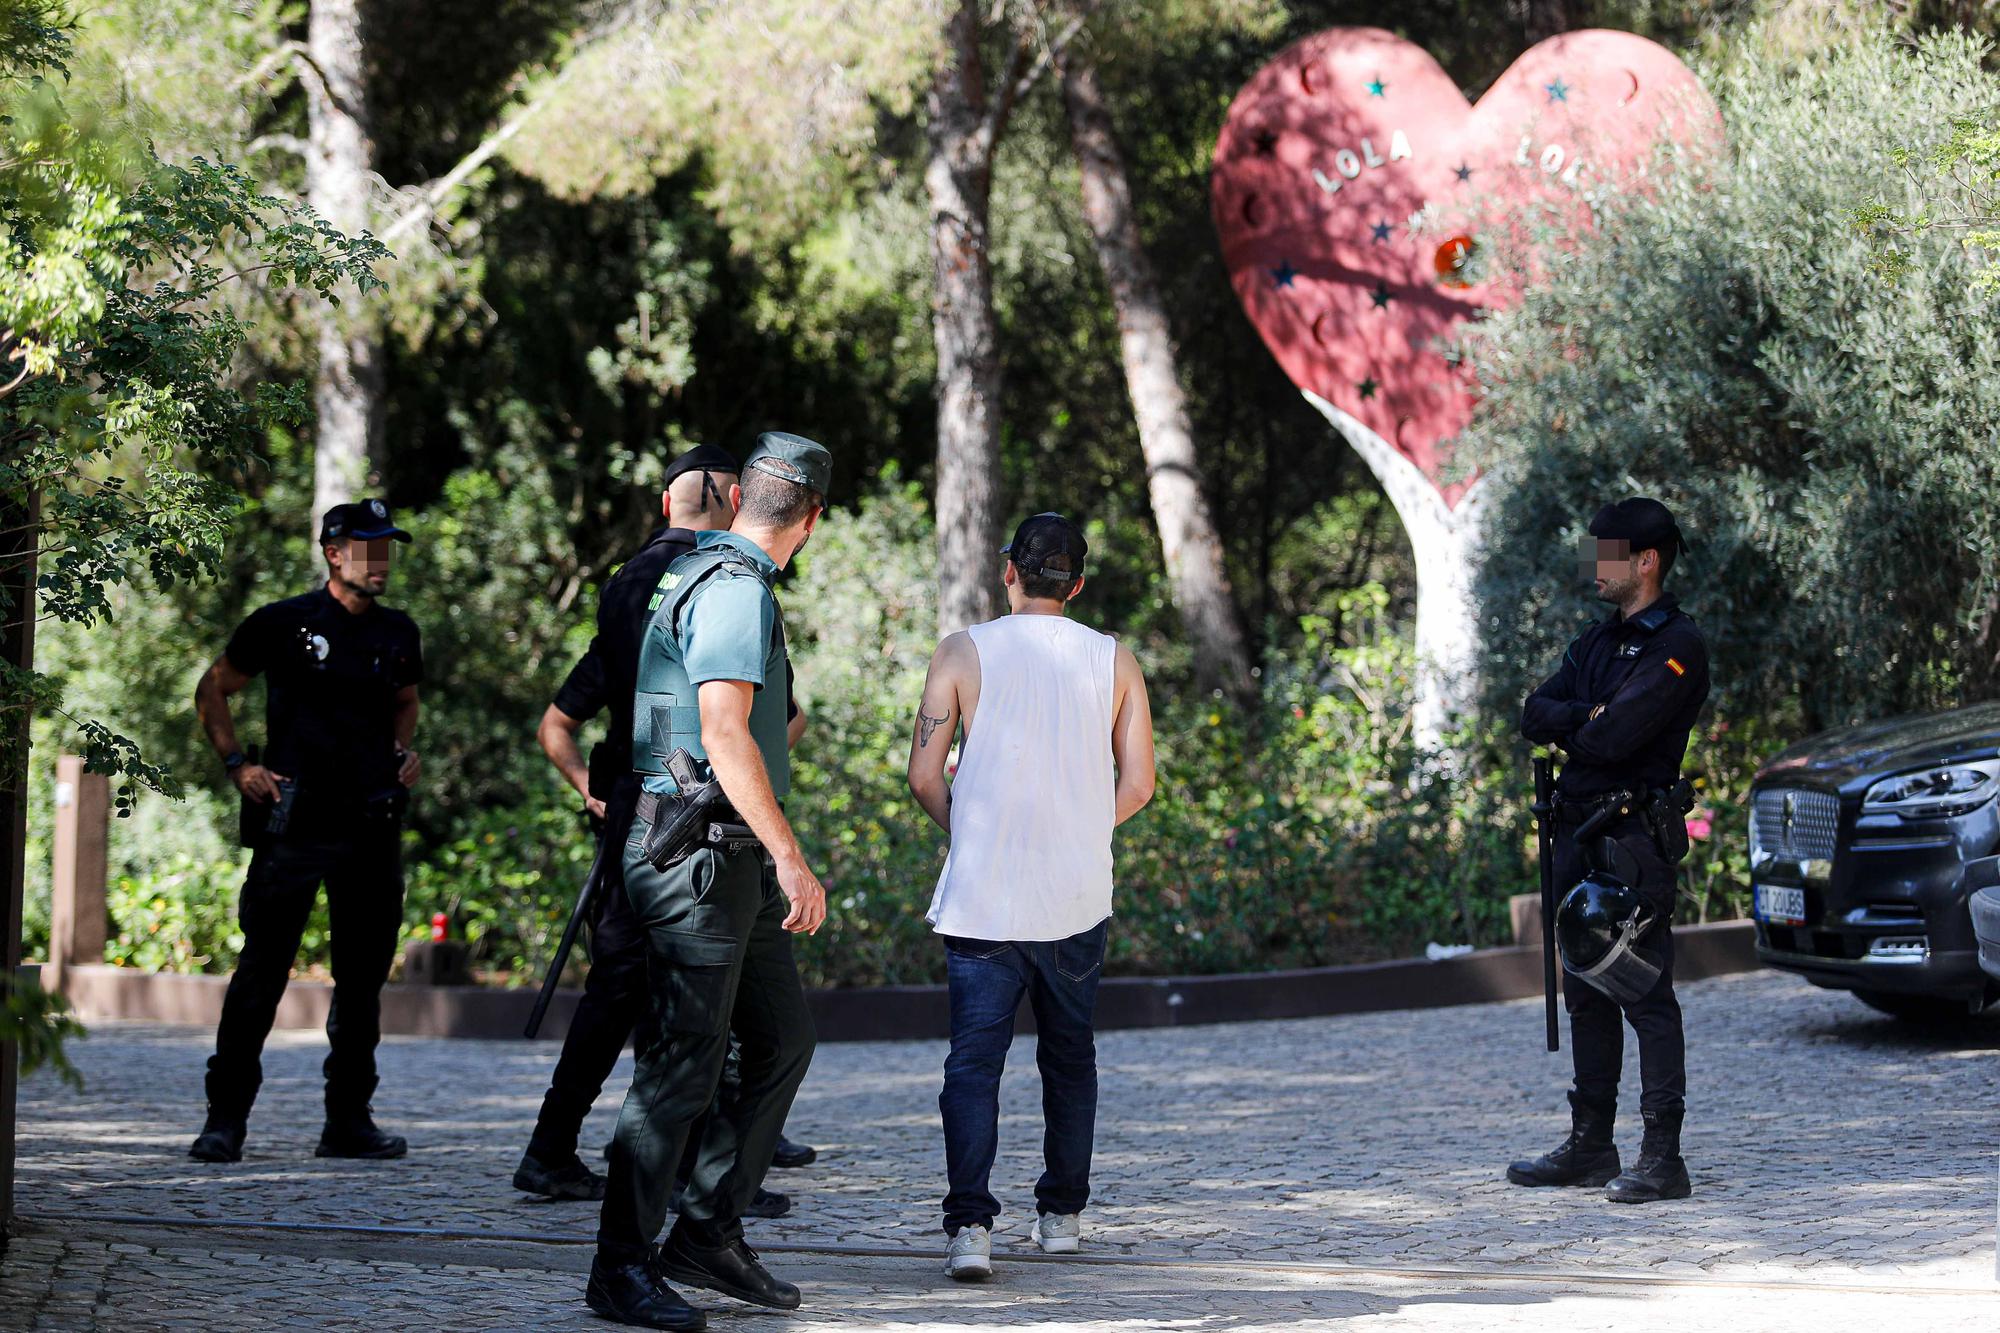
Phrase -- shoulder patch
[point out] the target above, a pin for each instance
(1674, 665)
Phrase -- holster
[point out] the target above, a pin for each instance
(1666, 813)
(677, 825)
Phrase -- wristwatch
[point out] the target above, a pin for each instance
(233, 761)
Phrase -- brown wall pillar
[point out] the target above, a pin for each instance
(76, 908)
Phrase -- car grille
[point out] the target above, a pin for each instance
(1810, 833)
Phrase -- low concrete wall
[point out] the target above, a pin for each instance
(887, 1013)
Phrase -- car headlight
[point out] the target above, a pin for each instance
(1935, 793)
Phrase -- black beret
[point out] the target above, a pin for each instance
(701, 458)
(1646, 524)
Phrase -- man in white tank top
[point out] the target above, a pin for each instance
(1057, 751)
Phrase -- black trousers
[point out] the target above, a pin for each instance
(362, 868)
(718, 960)
(1596, 1021)
(614, 997)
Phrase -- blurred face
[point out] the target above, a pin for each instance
(362, 565)
(1612, 568)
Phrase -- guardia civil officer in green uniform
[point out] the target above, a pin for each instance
(717, 915)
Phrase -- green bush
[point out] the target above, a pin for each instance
(506, 883)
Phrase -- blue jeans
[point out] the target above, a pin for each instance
(987, 979)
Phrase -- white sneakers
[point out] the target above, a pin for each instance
(970, 1258)
(1057, 1233)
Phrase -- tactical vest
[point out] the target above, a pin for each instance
(666, 715)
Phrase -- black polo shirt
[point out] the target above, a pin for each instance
(607, 675)
(332, 679)
(1651, 674)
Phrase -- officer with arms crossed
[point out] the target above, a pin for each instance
(1058, 752)
(326, 805)
(711, 707)
(1621, 705)
(695, 499)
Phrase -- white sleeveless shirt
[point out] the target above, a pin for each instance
(1033, 802)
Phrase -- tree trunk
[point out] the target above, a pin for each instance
(1188, 537)
(339, 163)
(20, 532)
(958, 179)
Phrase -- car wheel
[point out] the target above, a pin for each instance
(1924, 1010)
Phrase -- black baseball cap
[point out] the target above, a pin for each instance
(1646, 525)
(1048, 545)
(701, 458)
(363, 520)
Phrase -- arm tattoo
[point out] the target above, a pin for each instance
(926, 724)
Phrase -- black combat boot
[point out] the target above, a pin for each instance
(556, 1178)
(1586, 1157)
(1660, 1172)
(221, 1140)
(353, 1133)
(790, 1156)
(730, 1268)
(635, 1292)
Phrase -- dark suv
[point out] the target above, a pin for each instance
(1865, 845)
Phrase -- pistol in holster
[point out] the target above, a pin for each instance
(698, 815)
(1666, 811)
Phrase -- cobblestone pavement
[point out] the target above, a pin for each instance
(1828, 1146)
(133, 1280)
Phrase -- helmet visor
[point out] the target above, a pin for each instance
(1625, 974)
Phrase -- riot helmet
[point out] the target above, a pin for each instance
(1598, 928)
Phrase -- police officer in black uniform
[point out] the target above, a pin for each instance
(1621, 706)
(324, 805)
(694, 498)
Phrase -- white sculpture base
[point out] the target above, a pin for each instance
(1445, 541)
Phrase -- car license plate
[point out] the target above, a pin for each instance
(1786, 907)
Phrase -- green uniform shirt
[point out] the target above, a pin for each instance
(729, 629)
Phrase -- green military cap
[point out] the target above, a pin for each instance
(794, 458)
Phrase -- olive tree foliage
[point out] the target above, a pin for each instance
(1824, 429)
(120, 414)
(783, 100)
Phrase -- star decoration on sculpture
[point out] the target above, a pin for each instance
(1377, 88)
(1557, 91)
(1282, 275)
(1463, 171)
(1367, 387)
(1266, 143)
(1380, 231)
(1380, 296)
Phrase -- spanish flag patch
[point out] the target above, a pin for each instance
(1674, 666)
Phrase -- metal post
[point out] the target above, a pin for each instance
(76, 908)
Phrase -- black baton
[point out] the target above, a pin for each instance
(1545, 790)
(576, 919)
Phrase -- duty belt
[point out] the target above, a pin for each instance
(722, 835)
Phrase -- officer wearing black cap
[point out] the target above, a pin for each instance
(1621, 706)
(717, 914)
(693, 499)
(324, 804)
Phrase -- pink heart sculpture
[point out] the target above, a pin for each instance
(1365, 206)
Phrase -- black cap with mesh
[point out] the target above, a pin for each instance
(1048, 546)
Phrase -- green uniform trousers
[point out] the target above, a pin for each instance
(717, 958)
